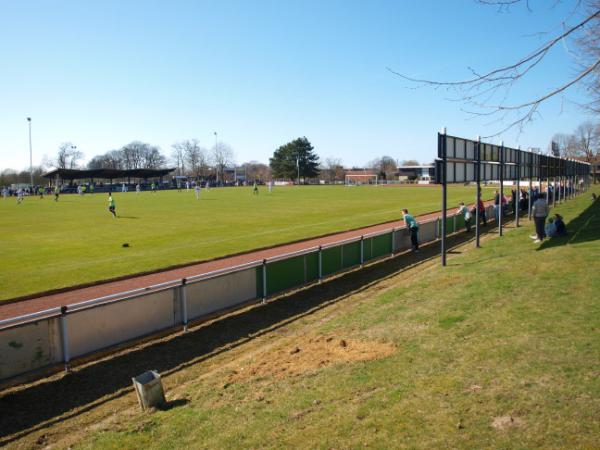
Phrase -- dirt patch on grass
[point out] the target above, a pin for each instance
(505, 422)
(310, 353)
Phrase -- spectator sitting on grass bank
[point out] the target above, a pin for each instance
(550, 229)
(561, 228)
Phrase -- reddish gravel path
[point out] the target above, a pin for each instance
(81, 294)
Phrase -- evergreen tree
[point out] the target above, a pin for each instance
(299, 151)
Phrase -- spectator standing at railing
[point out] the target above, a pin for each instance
(413, 228)
(482, 214)
(496, 204)
(540, 212)
(462, 209)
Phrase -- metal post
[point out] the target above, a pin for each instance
(443, 139)
(500, 209)
(183, 300)
(530, 184)
(478, 192)
(320, 265)
(518, 190)
(64, 338)
(362, 251)
(264, 266)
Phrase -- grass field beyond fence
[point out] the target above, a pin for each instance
(47, 245)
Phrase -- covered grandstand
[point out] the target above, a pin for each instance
(59, 176)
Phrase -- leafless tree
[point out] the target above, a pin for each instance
(385, 166)
(178, 155)
(333, 170)
(111, 160)
(222, 156)
(194, 156)
(410, 162)
(488, 93)
(255, 170)
(140, 155)
(68, 156)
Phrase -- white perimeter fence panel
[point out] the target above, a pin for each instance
(117, 322)
(30, 347)
(208, 296)
(427, 232)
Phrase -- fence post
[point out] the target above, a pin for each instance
(320, 265)
(64, 337)
(183, 300)
(264, 266)
(362, 250)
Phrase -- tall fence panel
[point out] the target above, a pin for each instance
(29, 347)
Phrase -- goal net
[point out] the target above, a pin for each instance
(360, 179)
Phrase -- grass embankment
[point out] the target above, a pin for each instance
(498, 350)
(47, 245)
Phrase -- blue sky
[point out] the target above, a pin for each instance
(261, 73)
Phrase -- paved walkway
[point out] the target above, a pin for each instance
(100, 290)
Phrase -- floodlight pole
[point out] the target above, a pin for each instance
(298, 167)
(442, 140)
(30, 154)
(478, 190)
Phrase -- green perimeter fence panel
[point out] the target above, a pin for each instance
(259, 282)
(290, 273)
(449, 225)
(382, 245)
(351, 256)
(460, 222)
(377, 246)
(332, 260)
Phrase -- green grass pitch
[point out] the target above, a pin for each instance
(47, 245)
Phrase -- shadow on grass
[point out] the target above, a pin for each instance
(583, 228)
(40, 405)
